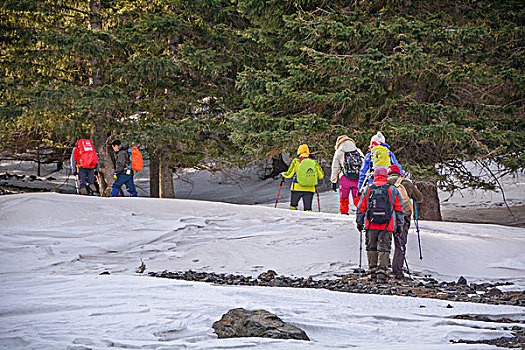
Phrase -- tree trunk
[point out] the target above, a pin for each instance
(98, 134)
(430, 208)
(154, 176)
(166, 178)
(105, 157)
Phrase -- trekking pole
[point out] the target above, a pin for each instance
(76, 184)
(417, 228)
(360, 247)
(278, 193)
(408, 270)
(318, 201)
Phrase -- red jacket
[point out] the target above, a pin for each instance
(397, 218)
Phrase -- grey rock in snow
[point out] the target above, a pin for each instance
(462, 280)
(494, 292)
(238, 323)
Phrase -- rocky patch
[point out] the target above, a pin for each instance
(516, 341)
(422, 287)
(239, 322)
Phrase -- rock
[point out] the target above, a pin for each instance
(494, 292)
(450, 306)
(267, 276)
(462, 280)
(238, 323)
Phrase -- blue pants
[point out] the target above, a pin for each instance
(124, 179)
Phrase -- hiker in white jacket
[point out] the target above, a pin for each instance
(345, 169)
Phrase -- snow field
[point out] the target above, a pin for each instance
(53, 248)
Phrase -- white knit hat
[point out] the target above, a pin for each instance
(379, 137)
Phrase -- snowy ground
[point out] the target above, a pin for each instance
(54, 246)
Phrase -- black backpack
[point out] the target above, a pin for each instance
(352, 164)
(379, 209)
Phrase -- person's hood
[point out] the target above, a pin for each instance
(379, 138)
(347, 146)
(340, 140)
(380, 180)
(123, 146)
(303, 150)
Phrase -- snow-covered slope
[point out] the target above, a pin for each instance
(53, 248)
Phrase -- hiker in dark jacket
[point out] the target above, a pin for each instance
(123, 173)
(400, 237)
(379, 236)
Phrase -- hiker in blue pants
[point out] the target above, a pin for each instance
(123, 173)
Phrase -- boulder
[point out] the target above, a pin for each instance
(238, 323)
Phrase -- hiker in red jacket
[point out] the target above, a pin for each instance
(380, 213)
(83, 163)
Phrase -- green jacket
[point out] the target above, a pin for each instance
(292, 170)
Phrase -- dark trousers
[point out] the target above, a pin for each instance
(400, 242)
(124, 179)
(378, 240)
(307, 197)
(85, 177)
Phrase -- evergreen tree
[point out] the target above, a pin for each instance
(159, 72)
(442, 80)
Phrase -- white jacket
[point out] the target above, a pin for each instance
(339, 159)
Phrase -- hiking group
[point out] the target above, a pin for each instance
(84, 166)
(383, 197)
(380, 192)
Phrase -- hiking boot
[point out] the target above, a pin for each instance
(83, 191)
(400, 277)
(381, 275)
(293, 208)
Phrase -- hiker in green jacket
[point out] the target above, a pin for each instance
(305, 173)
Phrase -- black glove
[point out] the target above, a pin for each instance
(75, 173)
(397, 231)
(360, 227)
(96, 172)
(334, 187)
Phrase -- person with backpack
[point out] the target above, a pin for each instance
(380, 213)
(123, 169)
(305, 172)
(379, 155)
(84, 162)
(408, 192)
(346, 163)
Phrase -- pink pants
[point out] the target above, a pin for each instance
(345, 185)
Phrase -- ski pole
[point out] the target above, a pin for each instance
(417, 228)
(360, 247)
(318, 201)
(278, 193)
